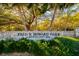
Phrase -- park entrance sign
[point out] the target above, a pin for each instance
(37, 35)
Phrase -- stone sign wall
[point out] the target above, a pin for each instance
(77, 32)
(35, 35)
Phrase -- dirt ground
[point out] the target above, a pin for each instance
(16, 54)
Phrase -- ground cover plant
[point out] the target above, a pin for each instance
(60, 46)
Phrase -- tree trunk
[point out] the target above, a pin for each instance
(28, 27)
(68, 14)
(53, 17)
(34, 18)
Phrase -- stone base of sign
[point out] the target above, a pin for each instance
(36, 35)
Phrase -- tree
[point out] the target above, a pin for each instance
(7, 18)
(29, 12)
(56, 7)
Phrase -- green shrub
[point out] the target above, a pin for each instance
(60, 46)
(7, 45)
(1, 46)
(67, 45)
